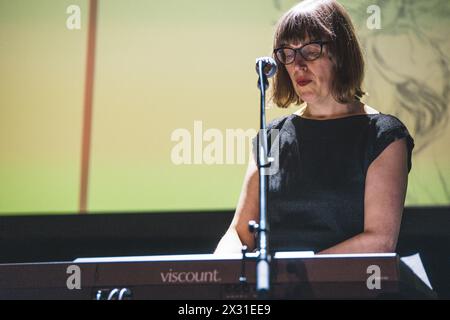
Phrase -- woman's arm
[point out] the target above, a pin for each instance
(247, 209)
(385, 191)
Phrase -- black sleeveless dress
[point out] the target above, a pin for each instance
(316, 197)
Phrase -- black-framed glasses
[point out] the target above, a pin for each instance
(310, 51)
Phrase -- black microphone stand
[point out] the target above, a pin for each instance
(263, 258)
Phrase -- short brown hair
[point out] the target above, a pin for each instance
(316, 20)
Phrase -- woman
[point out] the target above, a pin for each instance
(343, 166)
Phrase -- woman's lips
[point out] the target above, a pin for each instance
(303, 83)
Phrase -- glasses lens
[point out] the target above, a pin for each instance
(311, 51)
(286, 55)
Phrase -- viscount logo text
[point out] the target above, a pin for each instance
(190, 277)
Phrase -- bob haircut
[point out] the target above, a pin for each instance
(321, 20)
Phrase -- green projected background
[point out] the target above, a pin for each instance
(166, 68)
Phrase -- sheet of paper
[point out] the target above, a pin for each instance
(415, 264)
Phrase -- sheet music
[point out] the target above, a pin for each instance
(414, 262)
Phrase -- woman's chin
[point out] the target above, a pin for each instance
(308, 97)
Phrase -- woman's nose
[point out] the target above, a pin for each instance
(300, 63)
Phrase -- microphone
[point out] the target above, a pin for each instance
(269, 66)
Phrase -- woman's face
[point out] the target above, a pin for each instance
(311, 79)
